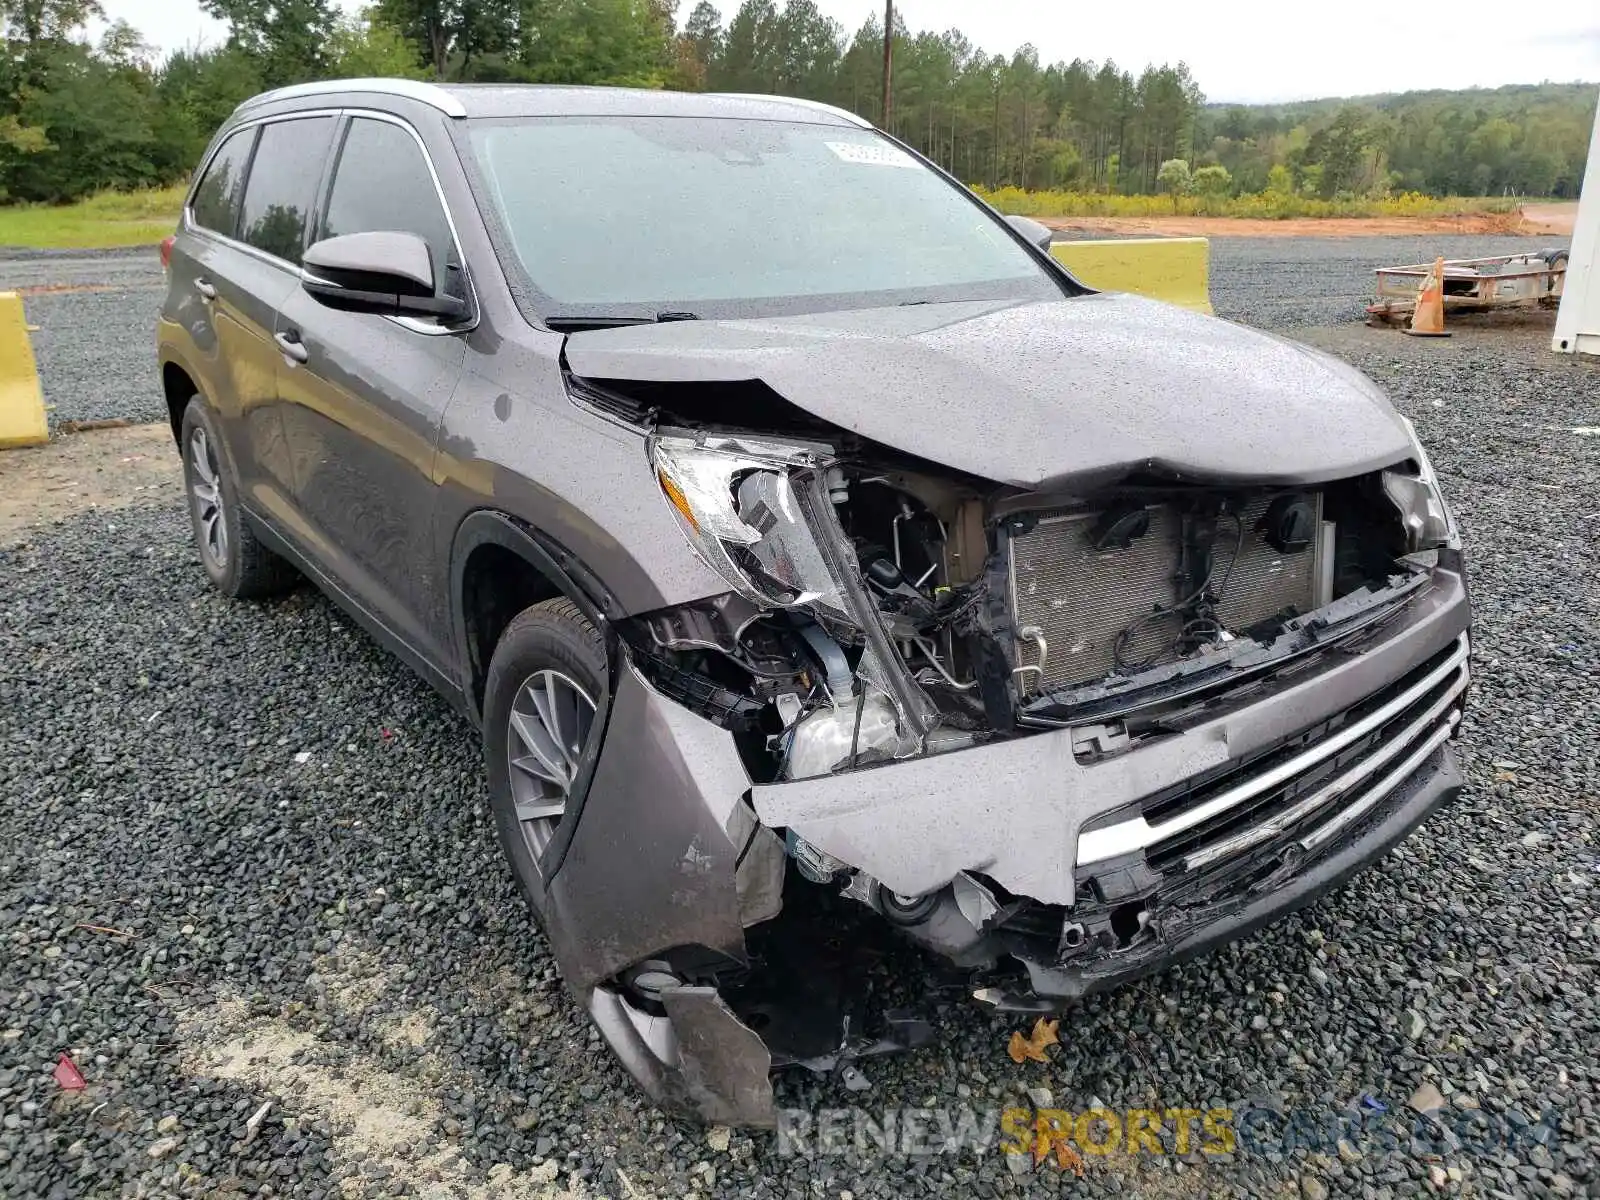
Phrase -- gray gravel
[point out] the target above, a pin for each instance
(1284, 283)
(96, 330)
(96, 313)
(97, 353)
(133, 266)
(349, 909)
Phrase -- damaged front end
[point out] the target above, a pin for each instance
(1057, 738)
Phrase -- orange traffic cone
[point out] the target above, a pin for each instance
(1428, 318)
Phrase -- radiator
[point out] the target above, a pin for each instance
(1079, 600)
(1264, 581)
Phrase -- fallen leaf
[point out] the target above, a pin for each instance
(1067, 1158)
(1044, 1034)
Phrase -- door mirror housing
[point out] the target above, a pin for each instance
(1036, 233)
(385, 272)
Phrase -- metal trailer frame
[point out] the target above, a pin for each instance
(1535, 280)
(1578, 322)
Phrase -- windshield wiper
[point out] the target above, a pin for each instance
(572, 324)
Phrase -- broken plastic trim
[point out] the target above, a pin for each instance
(698, 1060)
(1225, 667)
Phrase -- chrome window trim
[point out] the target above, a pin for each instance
(412, 324)
(408, 89)
(417, 324)
(1100, 845)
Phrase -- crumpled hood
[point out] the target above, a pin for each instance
(1040, 394)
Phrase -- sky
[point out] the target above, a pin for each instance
(1249, 51)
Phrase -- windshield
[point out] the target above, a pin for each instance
(636, 216)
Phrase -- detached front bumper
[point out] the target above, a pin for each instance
(1089, 874)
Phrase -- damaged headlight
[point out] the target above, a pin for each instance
(736, 501)
(759, 513)
(1428, 520)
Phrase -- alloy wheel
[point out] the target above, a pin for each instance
(549, 726)
(205, 495)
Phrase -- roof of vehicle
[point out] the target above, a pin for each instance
(461, 100)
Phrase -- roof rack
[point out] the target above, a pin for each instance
(409, 89)
(818, 105)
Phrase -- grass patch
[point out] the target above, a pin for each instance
(109, 219)
(1260, 205)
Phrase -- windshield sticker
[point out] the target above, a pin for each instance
(872, 155)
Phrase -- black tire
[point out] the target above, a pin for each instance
(1557, 260)
(552, 636)
(239, 565)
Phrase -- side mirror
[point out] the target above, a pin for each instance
(1039, 235)
(384, 272)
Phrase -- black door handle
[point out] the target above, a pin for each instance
(291, 345)
(206, 290)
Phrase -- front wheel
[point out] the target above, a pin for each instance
(545, 682)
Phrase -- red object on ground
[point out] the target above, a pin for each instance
(68, 1075)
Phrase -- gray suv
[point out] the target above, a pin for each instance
(820, 561)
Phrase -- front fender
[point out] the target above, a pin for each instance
(564, 571)
(654, 859)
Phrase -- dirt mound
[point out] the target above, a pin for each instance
(1555, 220)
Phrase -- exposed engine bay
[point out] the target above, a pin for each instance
(991, 613)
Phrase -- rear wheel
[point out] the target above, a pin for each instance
(545, 681)
(238, 564)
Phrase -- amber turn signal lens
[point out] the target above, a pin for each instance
(679, 500)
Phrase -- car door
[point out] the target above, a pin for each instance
(226, 295)
(363, 394)
(286, 168)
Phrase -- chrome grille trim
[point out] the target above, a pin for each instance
(1354, 812)
(1100, 845)
(1272, 826)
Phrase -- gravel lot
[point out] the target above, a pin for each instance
(96, 313)
(245, 856)
(1285, 283)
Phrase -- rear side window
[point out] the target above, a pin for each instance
(283, 185)
(217, 199)
(382, 183)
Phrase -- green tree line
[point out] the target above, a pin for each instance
(78, 116)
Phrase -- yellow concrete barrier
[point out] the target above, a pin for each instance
(22, 420)
(1177, 270)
